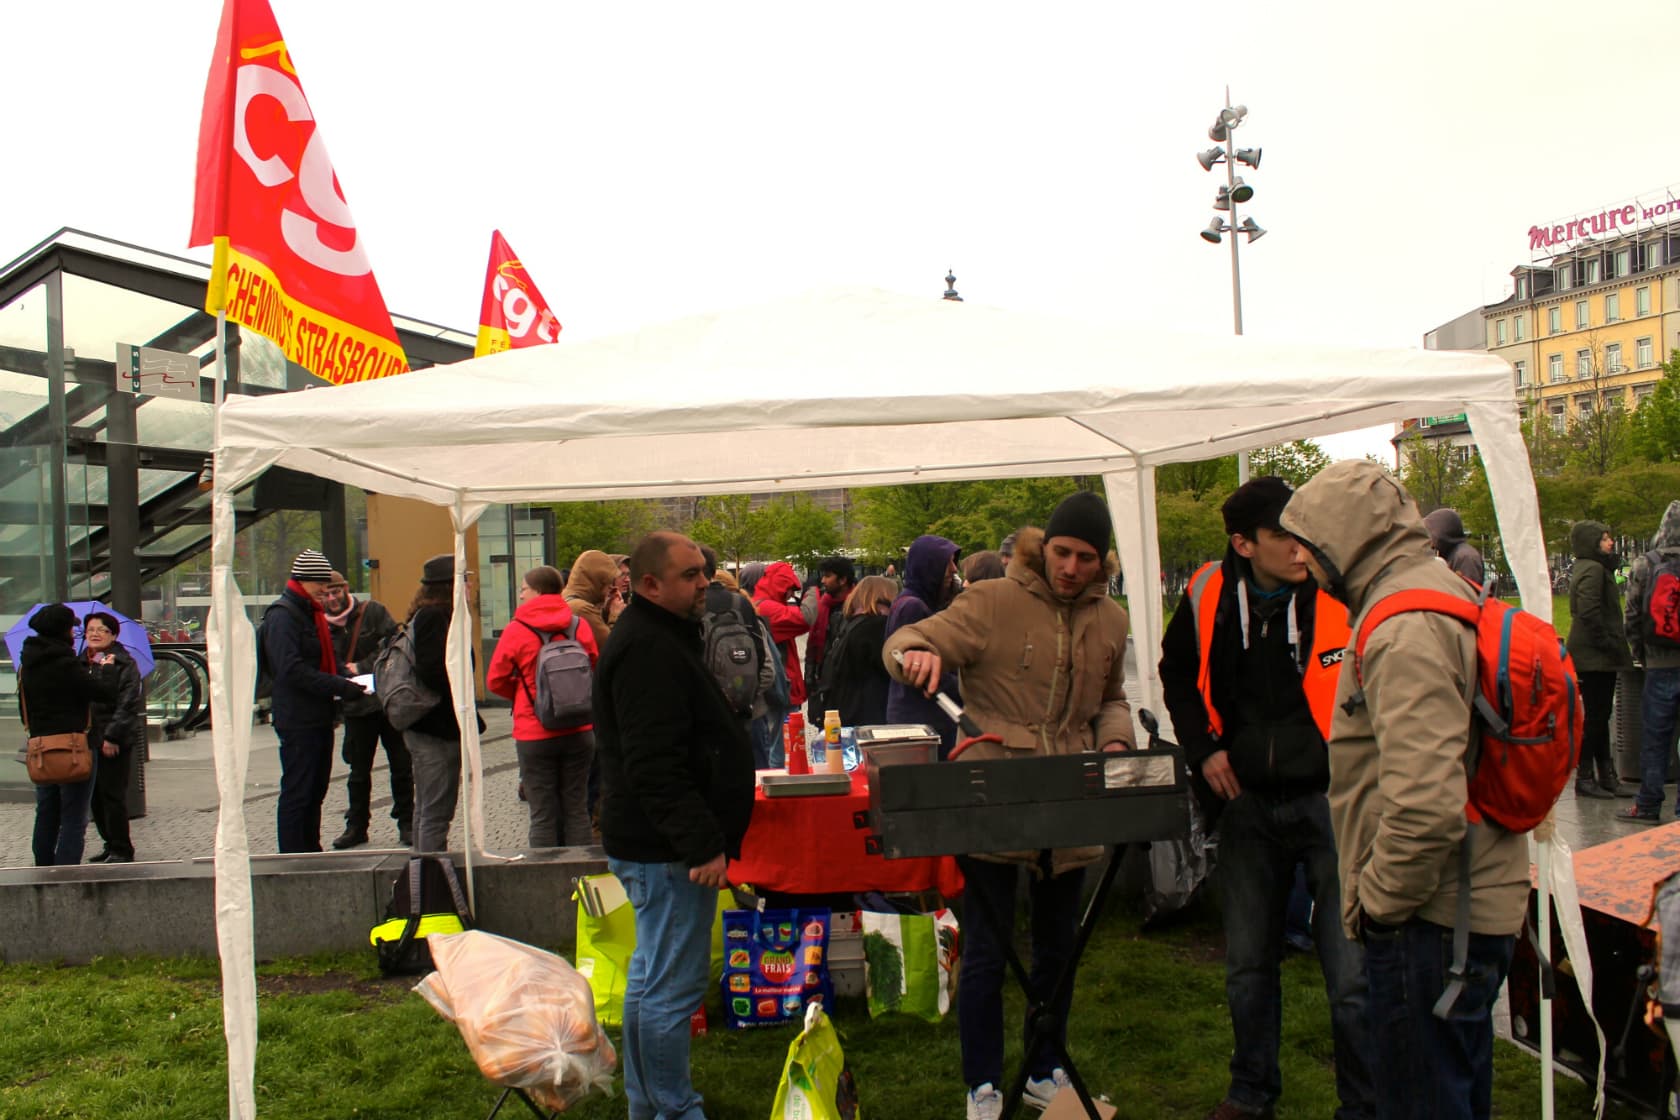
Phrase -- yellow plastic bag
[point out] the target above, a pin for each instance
(606, 940)
(816, 1085)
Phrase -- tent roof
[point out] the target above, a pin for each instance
(899, 388)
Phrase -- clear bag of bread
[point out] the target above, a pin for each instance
(528, 1017)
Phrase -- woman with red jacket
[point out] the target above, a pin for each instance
(776, 597)
(553, 765)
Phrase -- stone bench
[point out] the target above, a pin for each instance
(301, 904)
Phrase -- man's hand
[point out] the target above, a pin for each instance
(1116, 746)
(1217, 770)
(614, 606)
(921, 669)
(713, 873)
(109, 749)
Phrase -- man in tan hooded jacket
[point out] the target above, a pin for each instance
(1397, 797)
(1041, 654)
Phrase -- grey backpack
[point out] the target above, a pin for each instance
(401, 693)
(561, 698)
(731, 644)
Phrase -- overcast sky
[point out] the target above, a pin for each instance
(654, 159)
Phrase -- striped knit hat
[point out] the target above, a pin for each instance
(311, 567)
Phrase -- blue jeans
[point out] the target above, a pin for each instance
(305, 769)
(1261, 842)
(768, 748)
(669, 973)
(1054, 920)
(61, 817)
(1432, 1069)
(1658, 708)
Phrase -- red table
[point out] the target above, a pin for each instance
(821, 845)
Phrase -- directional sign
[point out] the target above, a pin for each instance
(157, 373)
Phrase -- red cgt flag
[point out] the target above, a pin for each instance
(514, 312)
(289, 262)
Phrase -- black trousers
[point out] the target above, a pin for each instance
(110, 801)
(362, 737)
(1598, 695)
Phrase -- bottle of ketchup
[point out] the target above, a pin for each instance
(798, 762)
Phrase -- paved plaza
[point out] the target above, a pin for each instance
(181, 801)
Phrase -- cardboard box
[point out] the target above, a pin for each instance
(1065, 1106)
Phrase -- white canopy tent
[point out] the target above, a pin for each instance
(847, 388)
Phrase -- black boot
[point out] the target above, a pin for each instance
(1607, 780)
(354, 836)
(104, 854)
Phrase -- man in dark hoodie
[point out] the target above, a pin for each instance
(930, 570)
(1654, 592)
(1250, 664)
(297, 647)
(836, 577)
(1598, 646)
(676, 797)
(1446, 536)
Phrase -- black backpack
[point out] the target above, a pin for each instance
(425, 899)
(732, 652)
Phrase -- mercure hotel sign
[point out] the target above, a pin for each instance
(1612, 219)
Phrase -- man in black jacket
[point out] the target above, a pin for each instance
(359, 628)
(1250, 664)
(677, 793)
(297, 649)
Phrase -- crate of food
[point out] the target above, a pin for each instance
(893, 744)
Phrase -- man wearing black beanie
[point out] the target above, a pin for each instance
(1249, 665)
(1041, 654)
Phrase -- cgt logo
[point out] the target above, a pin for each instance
(1330, 657)
(316, 186)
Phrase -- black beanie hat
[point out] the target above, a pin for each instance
(1256, 504)
(1083, 516)
(55, 620)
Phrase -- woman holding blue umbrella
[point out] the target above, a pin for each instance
(57, 689)
(117, 734)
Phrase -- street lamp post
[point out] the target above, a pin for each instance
(1234, 192)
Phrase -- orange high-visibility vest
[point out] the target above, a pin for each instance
(1330, 638)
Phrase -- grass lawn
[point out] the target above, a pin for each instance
(142, 1040)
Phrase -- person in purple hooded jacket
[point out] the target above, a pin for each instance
(930, 571)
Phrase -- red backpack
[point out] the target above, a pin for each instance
(1527, 706)
(1662, 600)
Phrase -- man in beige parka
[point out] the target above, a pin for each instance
(1041, 655)
(1397, 797)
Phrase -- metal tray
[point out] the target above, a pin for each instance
(805, 785)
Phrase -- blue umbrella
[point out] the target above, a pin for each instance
(130, 634)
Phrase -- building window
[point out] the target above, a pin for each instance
(1583, 364)
(1615, 400)
(1641, 392)
(1554, 368)
(1559, 419)
(1623, 261)
(1654, 254)
(1642, 353)
(1522, 373)
(1554, 320)
(1581, 316)
(1642, 301)
(1613, 357)
(1613, 307)
(1522, 287)
(1584, 407)
(1590, 270)
(1499, 333)
(1563, 278)
(1519, 328)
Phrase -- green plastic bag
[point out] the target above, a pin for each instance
(606, 940)
(910, 963)
(816, 1085)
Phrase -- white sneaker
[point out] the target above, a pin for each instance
(985, 1102)
(1040, 1090)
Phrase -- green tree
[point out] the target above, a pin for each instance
(1435, 471)
(605, 526)
(730, 525)
(1293, 462)
(1654, 428)
(801, 531)
(890, 517)
(1205, 476)
(1191, 528)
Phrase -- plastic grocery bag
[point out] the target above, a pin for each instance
(776, 965)
(606, 936)
(816, 1085)
(910, 962)
(527, 1016)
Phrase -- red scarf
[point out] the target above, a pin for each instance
(329, 660)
